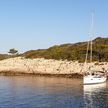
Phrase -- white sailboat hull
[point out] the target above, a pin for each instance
(93, 80)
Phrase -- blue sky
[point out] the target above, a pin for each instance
(39, 24)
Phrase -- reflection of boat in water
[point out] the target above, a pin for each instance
(93, 88)
(93, 94)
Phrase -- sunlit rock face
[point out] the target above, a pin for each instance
(48, 66)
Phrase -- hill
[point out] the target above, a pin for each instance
(4, 56)
(75, 51)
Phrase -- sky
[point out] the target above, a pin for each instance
(39, 24)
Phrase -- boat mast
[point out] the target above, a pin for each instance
(90, 43)
(87, 52)
(92, 35)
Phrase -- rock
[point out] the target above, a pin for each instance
(48, 66)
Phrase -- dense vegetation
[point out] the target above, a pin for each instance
(75, 51)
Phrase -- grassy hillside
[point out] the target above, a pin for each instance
(75, 51)
(6, 56)
(3, 56)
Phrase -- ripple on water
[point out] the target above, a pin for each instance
(46, 92)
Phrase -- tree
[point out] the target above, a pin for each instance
(13, 51)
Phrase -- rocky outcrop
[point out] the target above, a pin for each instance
(47, 66)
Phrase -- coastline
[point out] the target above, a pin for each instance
(47, 67)
(76, 75)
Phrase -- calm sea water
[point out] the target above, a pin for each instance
(45, 92)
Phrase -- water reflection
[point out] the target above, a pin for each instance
(95, 96)
(40, 92)
(46, 92)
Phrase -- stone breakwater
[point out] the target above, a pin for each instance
(47, 66)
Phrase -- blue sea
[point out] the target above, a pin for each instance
(50, 92)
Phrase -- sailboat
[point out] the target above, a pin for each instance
(93, 77)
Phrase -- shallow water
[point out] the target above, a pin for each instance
(46, 92)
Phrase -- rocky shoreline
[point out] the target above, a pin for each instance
(7, 73)
(47, 67)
